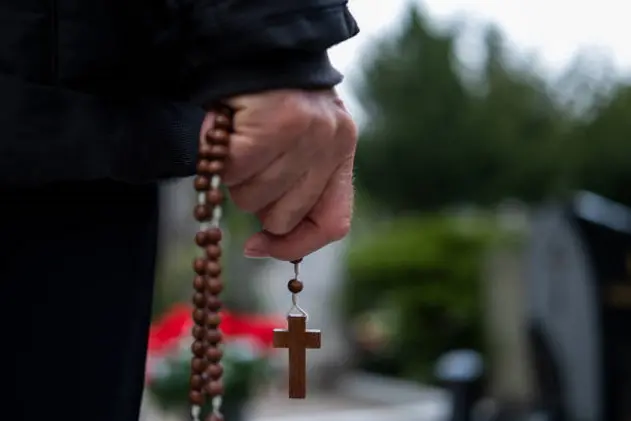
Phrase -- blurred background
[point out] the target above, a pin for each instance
(488, 273)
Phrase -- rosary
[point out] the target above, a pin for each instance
(206, 369)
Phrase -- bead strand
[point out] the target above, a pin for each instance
(206, 369)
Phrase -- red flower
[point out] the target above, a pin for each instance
(177, 323)
(165, 334)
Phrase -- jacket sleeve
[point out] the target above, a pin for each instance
(232, 47)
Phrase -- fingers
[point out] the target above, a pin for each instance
(269, 185)
(287, 212)
(328, 221)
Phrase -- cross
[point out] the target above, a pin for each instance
(297, 339)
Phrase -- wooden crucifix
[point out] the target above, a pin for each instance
(297, 339)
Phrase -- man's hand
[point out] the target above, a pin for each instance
(291, 164)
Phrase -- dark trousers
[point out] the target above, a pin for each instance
(76, 283)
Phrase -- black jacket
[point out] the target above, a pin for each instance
(114, 89)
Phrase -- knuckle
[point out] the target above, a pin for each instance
(347, 131)
(295, 116)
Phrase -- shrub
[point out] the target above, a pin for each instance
(421, 277)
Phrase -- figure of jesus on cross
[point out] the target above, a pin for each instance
(297, 339)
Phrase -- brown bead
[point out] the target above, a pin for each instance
(204, 151)
(201, 183)
(214, 388)
(199, 316)
(213, 336)
(295, 286)
(199, 265)
(199, 299)
(214, 235)
(201, 239)
(215, 167)
(203, 166)
(211, 152)
(219, 151)
(213, 268)
(196, 397)
(214, 197)
(214, 371)
(213, 320)
(197, 382)
(199, 282)
(214, 286)
(219, 136)
(213, 251)
(202, 213)
(198, 332)
(214, 303)
(214, 355)
(222, 120)
(198, 348)
(198, 365)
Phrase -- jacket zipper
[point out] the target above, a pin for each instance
(54, 42)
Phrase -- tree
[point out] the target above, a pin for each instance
(434, 141)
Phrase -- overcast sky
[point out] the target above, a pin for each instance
(554, 29)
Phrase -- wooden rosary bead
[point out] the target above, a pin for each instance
(211, 236)
(199, 348)
(214, 196)
(201, 239)
(213, 303)
(213, 336)
(213, 320)
(199, 299)
(201, 183)
(211, 152)
(213, 251)
(199, 265)
(198, 365)
(222, 120)
(199, 282)
(214, 388)
(202, 213)
(213, 268)
(204, 151)
(214, 371)
(218, 136)
(196, 397)
(295, 286)
(199, 316)
(219, 151)
(208, 167)
(198, 332)
(214, 286)
(213, 355)
(214, 235)
(197, 382)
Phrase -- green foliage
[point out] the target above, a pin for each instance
(425, 274)
(240, 372)
(435, 139)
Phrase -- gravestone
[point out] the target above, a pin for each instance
(579, 309)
